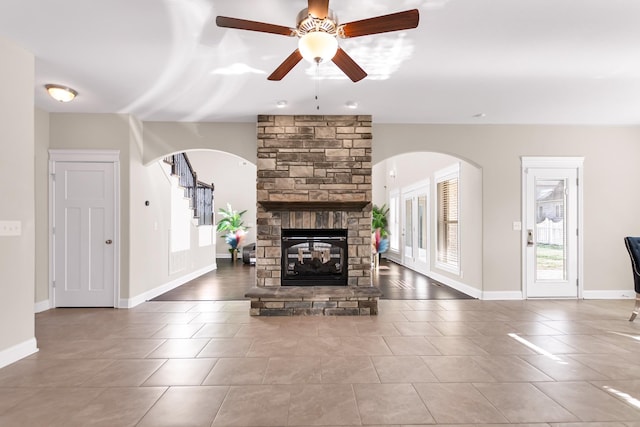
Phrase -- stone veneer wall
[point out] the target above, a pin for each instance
(314, 172)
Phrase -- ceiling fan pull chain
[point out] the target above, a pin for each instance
(317, 85)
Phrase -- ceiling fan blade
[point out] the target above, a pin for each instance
(348, 66)
(243, 24)
(286, 66)
(319, 8)
(381, 24)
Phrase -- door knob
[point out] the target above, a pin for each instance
(108, 242)
(529, 237)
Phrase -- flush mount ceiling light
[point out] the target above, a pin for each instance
(61, 93)
(351, 104)
(281, 104)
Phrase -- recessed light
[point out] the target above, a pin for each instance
(281, 103)
(351, 104)
(479, 115)
(61, 93)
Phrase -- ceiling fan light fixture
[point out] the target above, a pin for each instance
(318, 46)
(317, 30)
(61, 93)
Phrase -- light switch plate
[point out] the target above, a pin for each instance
(517, 226)
(10, 228)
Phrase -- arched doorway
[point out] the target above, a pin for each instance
(435, 216)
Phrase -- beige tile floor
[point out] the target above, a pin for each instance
(454, 362)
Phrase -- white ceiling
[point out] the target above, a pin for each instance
(515, 61)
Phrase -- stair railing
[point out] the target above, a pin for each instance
(200, 194)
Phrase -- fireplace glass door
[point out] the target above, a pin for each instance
(314, 257)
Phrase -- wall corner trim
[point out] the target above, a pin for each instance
(159, 290)
(459, 286)
(41, 306)
(17, 352)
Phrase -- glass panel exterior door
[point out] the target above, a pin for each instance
(416, 228)
(551, 233)
(408, 229)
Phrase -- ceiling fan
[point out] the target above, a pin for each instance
(318, 29)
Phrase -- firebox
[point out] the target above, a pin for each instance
(314, 257)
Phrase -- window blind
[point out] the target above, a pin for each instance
(448, 222)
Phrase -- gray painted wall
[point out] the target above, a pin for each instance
(610, 172)
(17, 253)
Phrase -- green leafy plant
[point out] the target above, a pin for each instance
(231, 220)
(379, 219)
(232, 227)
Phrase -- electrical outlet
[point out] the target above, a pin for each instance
(10, 228)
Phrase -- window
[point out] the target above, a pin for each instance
(448, 227)
(394, 228)
(422, 222)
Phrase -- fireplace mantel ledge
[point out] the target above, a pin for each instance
(314, 205)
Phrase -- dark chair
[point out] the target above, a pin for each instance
(249, 253)
(633, 246)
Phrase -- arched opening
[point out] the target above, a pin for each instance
(434, 217)
(406, 183)
(234, 180)
(235, 186)
(159, 266)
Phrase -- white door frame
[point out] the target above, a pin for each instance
(576, 163)
(86, 156)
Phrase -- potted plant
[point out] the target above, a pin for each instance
(232, 227)
(380, 233)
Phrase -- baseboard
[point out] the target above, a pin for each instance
(391, 257)
(502, 295)
(458, 286)
(152, 293)
(41, 306)
(17, 352)
(619, 294)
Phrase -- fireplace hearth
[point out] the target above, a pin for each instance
(313, 257)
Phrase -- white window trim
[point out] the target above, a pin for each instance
(445, 174)
(452, 171)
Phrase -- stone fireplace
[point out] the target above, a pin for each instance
(314, 184)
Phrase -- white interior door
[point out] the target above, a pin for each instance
(83, 234)
(551, 233)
